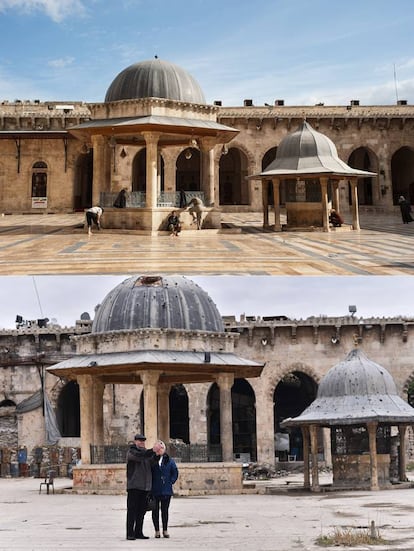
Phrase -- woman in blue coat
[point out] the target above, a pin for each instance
(164, 475)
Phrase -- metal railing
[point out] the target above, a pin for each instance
(137, 199)
(185, 453)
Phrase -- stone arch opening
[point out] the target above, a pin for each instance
(402, 170)
(213, 416)
(244, 420)
(188, 170)
(268, 158)
(233, 169)
(82, 189)
(363, 159)
(179, 418)
(292, 395)
(68, 410)
(39, 184)
(6, 403)
(139, 172)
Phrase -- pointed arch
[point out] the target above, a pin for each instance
(244, 420)
(179, 417)
(292, 395)
(188, 166)
(68, 410)
(402, 171)
(82, 189)
(233, 169)
(365, 159)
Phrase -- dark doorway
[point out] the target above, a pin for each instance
(402, 174)
(294, 393)
(139, 172)
(234, 188)
(188, 170)
(179, 423)
(244, 421)
(68, 410)
(82, 195)
(363, 159)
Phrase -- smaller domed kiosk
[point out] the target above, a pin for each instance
(154, 112)
(155, 332)
(357, 401)
(307, 163)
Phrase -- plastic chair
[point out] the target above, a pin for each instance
(48, 482)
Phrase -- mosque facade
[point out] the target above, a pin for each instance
(296, 355)
(159, 141)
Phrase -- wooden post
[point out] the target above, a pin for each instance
(372, 435)
(276, 201)
(354, 199)
(265, 202)
(314, 453)
(306, 457)
(86, 416)
(325, 209)
(403, 454)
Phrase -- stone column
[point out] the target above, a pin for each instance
(265, 203)
(101, 167)
(335, 199)
(164, 412)
(276, 201)
(225, 382)
(354, 199)
(314, 453)
(265, 428)
(98, 417)
(86, 416)
(151, 142)
(150, 384)
(325, 207)
(327, 448)
(170, 170)
(402, 429)
(372, 435)
(306, 457)
(207, 171)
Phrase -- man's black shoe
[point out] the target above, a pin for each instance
(142, 537)
(131, 537)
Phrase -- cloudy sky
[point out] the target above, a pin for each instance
(65, 298)
(304, 52)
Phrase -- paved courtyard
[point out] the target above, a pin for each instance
(283, 522)
(58, 244)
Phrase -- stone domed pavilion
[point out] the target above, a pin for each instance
(153, 111)
(357, 402)
(307, 163)
(153, 332)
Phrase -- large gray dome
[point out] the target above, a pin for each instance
(155, 79)
(171, 302)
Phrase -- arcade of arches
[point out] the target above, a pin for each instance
(291, 396)
(232, 166)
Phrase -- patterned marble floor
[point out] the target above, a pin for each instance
(58, 244)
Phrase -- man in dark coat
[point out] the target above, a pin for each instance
(405, 208)
(139, 481)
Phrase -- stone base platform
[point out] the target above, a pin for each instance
(194, 479)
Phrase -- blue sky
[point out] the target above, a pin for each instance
(65, 298)
(302, 51)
